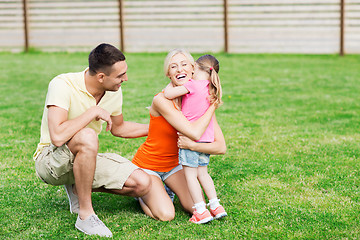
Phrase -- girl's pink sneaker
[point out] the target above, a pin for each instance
(201, 218)
(218, 212)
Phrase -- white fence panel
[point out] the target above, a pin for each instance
(163, 25)
(72, 25)
(12, 36)
(352, 26)
(273, 26)
(254, 26)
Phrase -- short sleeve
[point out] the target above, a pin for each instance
(190, 86)
(118, 103)
(58, 94)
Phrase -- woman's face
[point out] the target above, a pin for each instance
(180, 70)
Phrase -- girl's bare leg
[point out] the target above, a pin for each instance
(191, 176)
(206, 182)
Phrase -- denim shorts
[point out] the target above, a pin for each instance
(163, 175)
(193, 159)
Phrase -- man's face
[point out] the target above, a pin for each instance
(117, 76)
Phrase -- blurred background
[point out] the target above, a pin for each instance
(233, 26)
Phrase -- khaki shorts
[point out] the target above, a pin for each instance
(54, 165)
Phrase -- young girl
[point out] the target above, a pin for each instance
(198, 93)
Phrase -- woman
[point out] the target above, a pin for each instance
(158, 156)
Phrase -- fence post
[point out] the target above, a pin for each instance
(121, 22)
(26, 33)
(342, 26)
(226, 40)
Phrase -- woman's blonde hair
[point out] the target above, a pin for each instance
(210, 64)
(173, 53)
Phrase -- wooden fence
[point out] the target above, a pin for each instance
(235, 26)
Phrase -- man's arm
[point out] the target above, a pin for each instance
(124, 129)
(62, 130)
(171, 92)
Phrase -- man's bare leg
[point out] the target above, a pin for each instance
(84, 145)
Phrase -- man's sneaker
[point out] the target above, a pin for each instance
(93, 226)
(73, 199)
(218, 212)
(201, 218)
(169, 192)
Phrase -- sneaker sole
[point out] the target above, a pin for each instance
(68, 195)
(205, 220)
(81, 230)
(73, 210)
(109, 236)
(220, 215)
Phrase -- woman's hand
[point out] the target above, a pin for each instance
(217, 147)
(185, 142)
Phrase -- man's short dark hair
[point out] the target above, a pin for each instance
(103, 57)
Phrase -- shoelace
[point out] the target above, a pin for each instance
(96, 221)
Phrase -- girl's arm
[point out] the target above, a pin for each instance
(171, 92)
(194, 130)
(215, 148)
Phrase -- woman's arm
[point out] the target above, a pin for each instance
(215, 148)
(175, 118)
(171, 92)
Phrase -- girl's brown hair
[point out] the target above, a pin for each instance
(210, 64)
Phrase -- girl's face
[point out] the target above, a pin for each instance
(180, 70)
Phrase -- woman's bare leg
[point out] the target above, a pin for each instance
(177, 183)
(137, 185)
(156, 203)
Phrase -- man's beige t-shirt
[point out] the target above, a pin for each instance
(68, 91)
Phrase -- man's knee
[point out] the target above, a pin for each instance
(85, 140)
(87, 135)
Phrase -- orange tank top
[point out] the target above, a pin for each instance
(159, 152)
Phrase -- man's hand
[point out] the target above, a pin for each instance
(125, 129)
(104, 115)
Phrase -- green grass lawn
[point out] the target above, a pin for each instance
(291, 170)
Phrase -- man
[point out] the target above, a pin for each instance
(76, 106)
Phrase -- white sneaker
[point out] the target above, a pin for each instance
(73, 199)
(93, 226)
